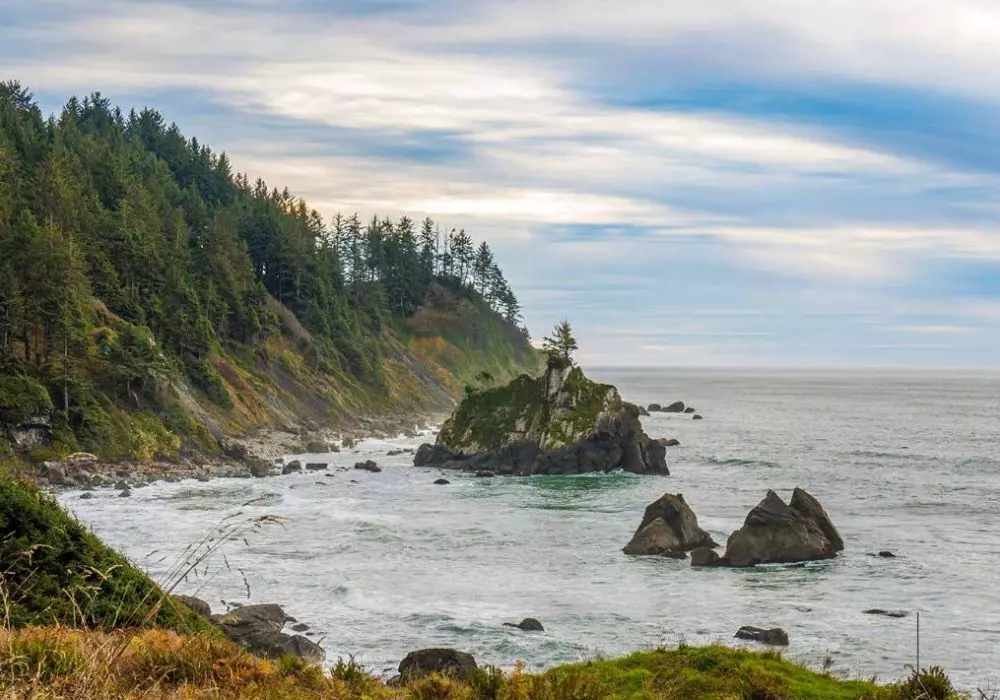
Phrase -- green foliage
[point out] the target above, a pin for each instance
(486, 419)
(558, 348)
(132, 256)
(926, 684)
(22, 398)
(53, 570)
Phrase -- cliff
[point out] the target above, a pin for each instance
(558, 423)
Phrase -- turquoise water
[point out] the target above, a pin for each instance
(391, 563)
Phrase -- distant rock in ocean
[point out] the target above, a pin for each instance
(775, 532)
(668, 526)
(559, 423)
(773, 637)
(528, 624)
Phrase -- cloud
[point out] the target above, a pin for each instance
(759, 181)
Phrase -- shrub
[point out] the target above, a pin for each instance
(22, 398)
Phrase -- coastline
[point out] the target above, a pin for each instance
(258, 454)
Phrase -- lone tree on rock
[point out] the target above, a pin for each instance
(559, 347)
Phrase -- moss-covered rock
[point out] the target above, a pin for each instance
(54, 570)
(560, 422)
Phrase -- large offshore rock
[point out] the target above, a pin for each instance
(774, 532)
(668, 525)
(559, 423)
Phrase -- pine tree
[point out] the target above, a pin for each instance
(560, 345)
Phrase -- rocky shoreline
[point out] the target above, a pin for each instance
(255, 455)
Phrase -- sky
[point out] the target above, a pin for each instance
(740, 183)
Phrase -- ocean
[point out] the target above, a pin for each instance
(381, 564)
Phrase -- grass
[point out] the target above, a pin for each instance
(53, 570)
(59, 662)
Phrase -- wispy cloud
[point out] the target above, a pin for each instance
(697, 183)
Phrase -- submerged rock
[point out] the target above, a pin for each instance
(885, 554)
(886, 613)
(668, 526)
(528, 624)
(485, 474)
(774, 636)
(560, 423)
(441, 482)
(447, 662)
(368, 466)
(774, 532)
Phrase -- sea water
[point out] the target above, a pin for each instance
(380, 564)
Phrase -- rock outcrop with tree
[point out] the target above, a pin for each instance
(559, 423)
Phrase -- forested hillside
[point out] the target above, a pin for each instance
(152, 298)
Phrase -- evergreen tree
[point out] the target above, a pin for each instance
(559, 346)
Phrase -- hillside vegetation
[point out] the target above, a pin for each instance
(152, 300)
(64, 663)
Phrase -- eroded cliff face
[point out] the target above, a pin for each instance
(558, 423)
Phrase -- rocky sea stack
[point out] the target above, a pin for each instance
(668, 525)
(776, 532)
(559, 423)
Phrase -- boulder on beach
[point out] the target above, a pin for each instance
(316, 447)
(368, 466)
(774, 532)
(675, 407)
(348, 443)
(668, 526)
(446, 662)
(774, 636)
(196, 604)
(292, 467)
(528, 624)
(257, 628)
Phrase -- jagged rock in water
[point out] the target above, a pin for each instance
(528, 624)
(774, 532)
(86, 496)
(642, 411)
(885, 554)
(810, 508)
(292, 467)
(368, 466)
(668, 526)
(703, 556)
(669, 442)
(689, 409)
(560, 423)
(654, 408)
(258, 629)
(196, 604)
(774, 636)
(697, 416)
(675, 407)
(259, 468)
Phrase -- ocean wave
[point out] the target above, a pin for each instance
(739, 462)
